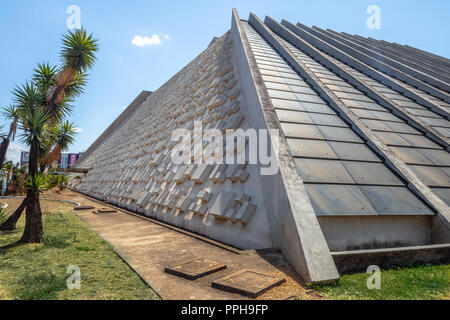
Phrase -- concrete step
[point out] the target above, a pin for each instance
(359, 260)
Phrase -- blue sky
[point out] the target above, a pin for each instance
(175, 32)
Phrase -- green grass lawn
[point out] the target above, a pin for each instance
(39, 271)
(417, 282)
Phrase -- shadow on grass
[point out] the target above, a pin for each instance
(40, 286)
(11, 245)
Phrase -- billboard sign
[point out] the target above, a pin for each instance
(72, 159)
(64, 160)
(24, 157)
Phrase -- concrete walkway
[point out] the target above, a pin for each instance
(148, 247)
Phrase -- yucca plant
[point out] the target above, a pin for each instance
(61, 137)
(62, 181)
(37, 184)
(43, 104)
(78, 57)
(52, 181)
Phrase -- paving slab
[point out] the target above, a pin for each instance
(248, 283)
(195, 268)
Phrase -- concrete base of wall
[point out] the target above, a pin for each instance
(374, 232)
(359, 260)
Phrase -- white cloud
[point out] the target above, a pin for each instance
(76, 129)
(141, 41)
(153, 40)
(14, 151)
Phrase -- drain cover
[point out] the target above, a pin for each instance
(247, 282)
(194, 269)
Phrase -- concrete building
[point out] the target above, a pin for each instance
(361, 149)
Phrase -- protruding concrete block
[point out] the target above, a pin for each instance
(246, 212)
(242, 197)
(224, 202)
(202, 173)
(180, 177)
(218, 174)
(204, 195)
(190, 170)
(183, 204)
(241, 175)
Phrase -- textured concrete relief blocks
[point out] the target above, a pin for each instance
(234, 93)
(246, 212)
(241, 198)
(183, 204)
(230, 82)
(190, 170)
(204, 195)
(201, 173)
(141, 175)
(162, 196)
(199, 208)
(223, 203)
(180, 177)
(170, 202)
(233, 207)
(216, 101)
(218, 174)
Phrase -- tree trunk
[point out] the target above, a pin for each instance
(10, 223)
(3, 149)
(33, 223)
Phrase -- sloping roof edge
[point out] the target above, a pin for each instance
(124, 115)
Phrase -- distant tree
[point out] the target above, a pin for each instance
(11, 113)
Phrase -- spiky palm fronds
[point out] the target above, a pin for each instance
(65, 135)
(37, 183)
(62, 181)
(33, 126)
(62, 138)
(28, 97)
(76, 86)
(78, 52)
(44, 76)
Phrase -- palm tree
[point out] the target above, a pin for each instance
(11, 113)
(43, 103)
(78, 56)
(60, 138)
